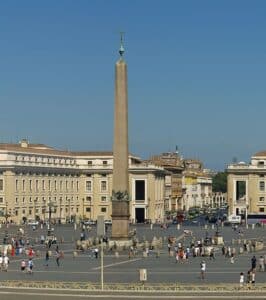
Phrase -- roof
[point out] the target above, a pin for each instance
(44, 149)
(261, 153)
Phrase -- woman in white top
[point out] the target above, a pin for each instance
(241, 279)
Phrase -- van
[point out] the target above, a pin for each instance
(234, 219)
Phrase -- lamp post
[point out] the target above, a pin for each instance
(246, 215)
(6, 215)
(83, 214)
(60, 204)
(50, 205)
(69, 210)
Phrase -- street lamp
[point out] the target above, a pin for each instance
(60, 203)
(69, 210)
(246, 215)
(50, 205)
(83, 214)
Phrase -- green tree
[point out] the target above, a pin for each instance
(219, 182)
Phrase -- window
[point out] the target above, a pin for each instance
(89, 162)
(23, 185)
(261, 163)
(1, 200)
(88, 209)
(16, 200)
(43, 185)
(23, 200)
(88, 186)
(1, 184)
(61, 185)
(103, 209)
(30, 185)
(103, 199)
(262, 186)
(30, 200)
(66, 185)
(103, 186)
(16, 184)
(105, 162)
(30, 211)
(37, 185)
(140, 190)
(49, 185)
(77, 186)
(72, 185)
(261, 209)
(88, 198)
(261, 199)
(55, 185)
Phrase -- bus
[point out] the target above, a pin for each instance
(257, 219)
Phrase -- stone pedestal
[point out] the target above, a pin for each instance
(120, 220)
(218, 240)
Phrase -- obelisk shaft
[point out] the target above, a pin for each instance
(120, 203)
(120, 147)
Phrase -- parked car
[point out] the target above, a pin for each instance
(33, 222)
(89, 222)
(108, 222)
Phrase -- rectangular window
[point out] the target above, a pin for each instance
(103, 199)
(55, 185)
(261, 209)
(77, 186)
(88, 186)
(23, 200)
(49, 185)
(30, 211)
(16, 185)
(1, 200)
(88, 198)
(37, 185)
(88, 209)
(16, 200)
(105, 162)
(30, 185)
(61, 185)
(103, 209)
(72, 185)
(262, 186)
(1, 184)
(43, 185)
(140, 189)
(261, 199)
(89, 162)
(66, 185)
(103, 186)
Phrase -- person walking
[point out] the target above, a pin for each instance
(47, 256)
(5, 263)
(253, 262)
(202, 270)
(57, 257)
(261, 264)
(23, 265)
(253, 275)
(30, 266)
(241, 280)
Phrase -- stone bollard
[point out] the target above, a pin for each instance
(75, 254)
(145, 254)
(212, 226)
(178, 226)
(241, 250)
(116, 254)
(38, 253)
(253, 226)
(233, 241)
(205, 226)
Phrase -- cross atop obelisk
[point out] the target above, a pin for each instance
(120, 195)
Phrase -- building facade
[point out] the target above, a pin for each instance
(40, 182)
(246, 186)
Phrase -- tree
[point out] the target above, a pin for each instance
(219, 182)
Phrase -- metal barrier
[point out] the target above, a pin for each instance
(186, 288)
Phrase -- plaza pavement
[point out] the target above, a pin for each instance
(161, 270)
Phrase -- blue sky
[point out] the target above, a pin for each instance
(196, 72)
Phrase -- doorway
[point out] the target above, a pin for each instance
(140, 215)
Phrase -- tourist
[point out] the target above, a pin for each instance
(261, 264)
(253, 275)
(202, 270)
(57, 256)
(5, 263)
(23, 265)
(47, 256)
(30, 266)
(241, 280)
(253, 262)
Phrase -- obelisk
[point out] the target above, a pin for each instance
(120, 195)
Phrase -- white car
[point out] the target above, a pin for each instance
(89, 222)
(33, 223)
(108, 222)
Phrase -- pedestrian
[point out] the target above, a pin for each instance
(57, 257)
(47, 256)
(202, 270)
(96, 251)
(261, 264)
(253, 275)
(212, 254)
(1, 262)
(241, 280)
(5, 263)
(253, 262)
(232, 259)
(30, 266)
(23, 265)
(169, 248)
(249, 279)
